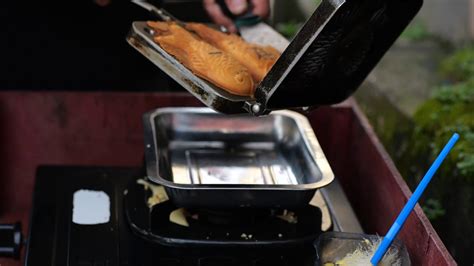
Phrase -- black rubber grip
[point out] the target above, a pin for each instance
(10, 240)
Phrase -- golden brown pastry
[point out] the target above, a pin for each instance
(258, 59)
(205, 60)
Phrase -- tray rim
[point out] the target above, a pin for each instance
(309, 138)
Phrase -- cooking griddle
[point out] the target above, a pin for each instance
(236, 228)
(324, 64)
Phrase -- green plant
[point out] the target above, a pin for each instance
(415, 32)
(433, 209)
(459, 66)
(288, 29)
(450, 198)
(451, 109)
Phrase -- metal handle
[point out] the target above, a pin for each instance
(10, 240)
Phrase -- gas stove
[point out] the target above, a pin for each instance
(61, 235)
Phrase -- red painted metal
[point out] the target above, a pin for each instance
(95, 128)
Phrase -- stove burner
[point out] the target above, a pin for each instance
(229, 217)
(237, 217)
(209, 227)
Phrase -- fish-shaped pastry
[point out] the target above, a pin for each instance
(257, 58)
(203, 59)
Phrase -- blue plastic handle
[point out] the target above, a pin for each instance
(395, 229)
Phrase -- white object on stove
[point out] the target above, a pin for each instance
(90, 207)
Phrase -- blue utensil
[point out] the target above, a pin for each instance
(408, 208)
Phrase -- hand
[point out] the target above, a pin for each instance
(237, 7)
(102, 3)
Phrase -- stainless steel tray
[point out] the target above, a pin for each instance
(208, 159)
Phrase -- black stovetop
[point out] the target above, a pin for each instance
(54, 239)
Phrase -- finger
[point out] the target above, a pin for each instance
(216, 14)
(237, 7)
(261, 8)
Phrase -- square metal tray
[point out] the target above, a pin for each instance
(207, 159)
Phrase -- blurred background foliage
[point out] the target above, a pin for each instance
(450, 203)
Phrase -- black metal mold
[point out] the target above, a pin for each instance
(324, 64)
(334, 52)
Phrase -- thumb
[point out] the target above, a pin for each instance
(237, 7)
